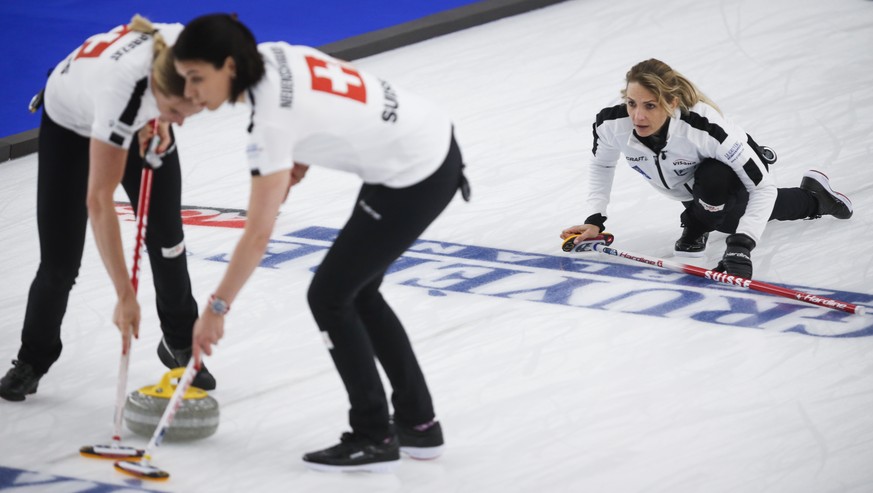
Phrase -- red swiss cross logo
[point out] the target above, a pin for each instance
(95, 45)
(336, 78)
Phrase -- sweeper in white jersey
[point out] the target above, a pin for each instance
(95, 102)
(308, 108)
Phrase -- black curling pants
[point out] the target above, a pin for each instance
(715, 183)
(349, 309)
(62, 218)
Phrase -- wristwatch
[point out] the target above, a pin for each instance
(218, 306)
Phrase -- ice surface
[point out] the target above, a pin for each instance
(549, 373)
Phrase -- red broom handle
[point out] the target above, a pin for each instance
(732, 280)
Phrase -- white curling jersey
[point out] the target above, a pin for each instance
(103, 89)
(314, 109)
(701, 133)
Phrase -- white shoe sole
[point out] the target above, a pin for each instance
(423, 453)
(825, 182)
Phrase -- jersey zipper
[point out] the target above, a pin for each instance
(660, 171)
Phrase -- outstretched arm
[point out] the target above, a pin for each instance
(107, 164)
(601, 172)
(267, 194)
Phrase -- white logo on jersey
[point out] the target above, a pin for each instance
(339, 80)
(733, 151)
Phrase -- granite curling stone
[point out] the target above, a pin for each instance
(196, 418)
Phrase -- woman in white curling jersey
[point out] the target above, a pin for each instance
(308, 108)
(677, 140)
(96, 100)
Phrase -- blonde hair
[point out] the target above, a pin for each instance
(164, 75)
(667, 85)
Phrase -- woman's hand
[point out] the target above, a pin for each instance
(265, 199)
(126, 318)
(146, 133)
(208, 330)
(584, 232)
(298, 172)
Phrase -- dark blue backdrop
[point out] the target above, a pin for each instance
(35, 35)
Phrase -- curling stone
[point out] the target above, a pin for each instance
(197, 416)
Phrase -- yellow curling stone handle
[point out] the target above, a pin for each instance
(167, 386)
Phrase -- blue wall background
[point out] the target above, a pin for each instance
(35, 35)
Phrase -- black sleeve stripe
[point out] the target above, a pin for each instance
(134, 103)
(255, 172)
(116, 139)
(612, 113)
(594, 147)
(753, 172)
(699, 122)
(252, 116)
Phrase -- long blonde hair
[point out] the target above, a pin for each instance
(164, 75)
(667, 85)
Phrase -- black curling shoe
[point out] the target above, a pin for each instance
(830, 202)
(690, 244)
(356, 453)
(175, 358)
(21, 380)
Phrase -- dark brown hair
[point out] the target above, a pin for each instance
(214, 37)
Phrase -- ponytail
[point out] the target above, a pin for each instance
(164, 76)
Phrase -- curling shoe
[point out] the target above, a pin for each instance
(422, 442)
(20, 380)
(174, 358)
(830, 202)
(356, 453)
(690, 244)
